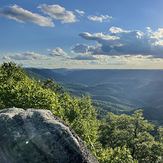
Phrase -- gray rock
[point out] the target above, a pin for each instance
(36, 136)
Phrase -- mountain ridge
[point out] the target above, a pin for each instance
(114, 90)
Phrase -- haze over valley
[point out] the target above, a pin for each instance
(118, 91)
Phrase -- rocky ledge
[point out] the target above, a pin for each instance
(37, 136)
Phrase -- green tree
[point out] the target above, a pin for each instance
(81, 116)
(116, 155)
(18, 90)
(160, 134)
(54, 86)
(134, 132)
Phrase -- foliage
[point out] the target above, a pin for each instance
(49, 83)
(160, 134)
(119, 155)
(115, 139)
(18, 90)
(134, 132)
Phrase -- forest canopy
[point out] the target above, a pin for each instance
(113, 139)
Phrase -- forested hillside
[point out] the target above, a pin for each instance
(113, 139)
(118, 91)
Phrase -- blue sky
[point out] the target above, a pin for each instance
(82, 34)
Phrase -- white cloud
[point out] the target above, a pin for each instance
(158, 43)
(100, 18)
(21, 15)
(98, 36)
(80, 12)
(58, 52)
(80, 48)
(158, 34)
(91, 61)
(123, 42)
(6, 58)
(25, 56)
(117, 30)
(86, 49)
(58, 12)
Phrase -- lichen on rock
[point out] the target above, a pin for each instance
(37, 136)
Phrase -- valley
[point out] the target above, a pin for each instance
(118, 91)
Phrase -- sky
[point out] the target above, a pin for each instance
(89, 34)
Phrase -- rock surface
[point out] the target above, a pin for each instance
(36, 136)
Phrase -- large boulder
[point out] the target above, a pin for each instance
(36, 136)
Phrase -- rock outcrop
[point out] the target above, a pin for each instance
(36, 136)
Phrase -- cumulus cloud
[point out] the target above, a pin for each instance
(117, 30)
(58, 12)
(21, 15)
(86, 49)
(58, 52)
(125, 42)
(25, 56)
(100, 18)
(6, 58)
(128, 60)
(80, 12)
(156, 34)
(80, 48)
(98, 36)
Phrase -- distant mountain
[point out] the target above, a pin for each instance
(114, 90)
